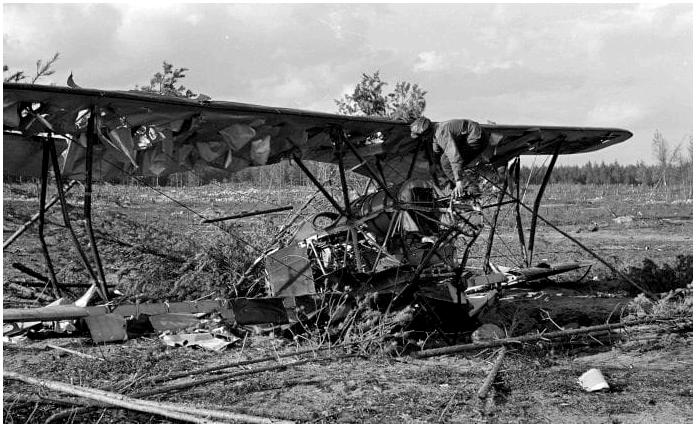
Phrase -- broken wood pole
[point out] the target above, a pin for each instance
(113, 399)
(76, 353)
(36, 216)
(534, 337)
(247, 214)
(483, 391)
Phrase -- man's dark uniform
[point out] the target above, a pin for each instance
(460, 141)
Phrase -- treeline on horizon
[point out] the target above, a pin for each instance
(286, 174)
(613, 173)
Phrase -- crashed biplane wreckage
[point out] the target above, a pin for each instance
(406, 241)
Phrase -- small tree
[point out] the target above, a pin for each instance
(165, 82)
(43, 69)
(661, 153)
(407, 102)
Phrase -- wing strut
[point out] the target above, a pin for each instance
(537, 201)
(42, 222)
(93, 138)
(338, 139)
(515, 172)
(318, 184)
(66, 219)
(373, 174)
(577, 242)
(494, 224)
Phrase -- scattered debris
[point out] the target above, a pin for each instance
(593, 380)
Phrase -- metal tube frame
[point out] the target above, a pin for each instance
(515, 171)
(374, 175)
(579, 244)
(66, 220)
(494, 224)
(92, 137)
(537, 203)
(34, 218)
(42, 222)
(319, 186)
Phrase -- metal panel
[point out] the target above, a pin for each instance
(289, 272)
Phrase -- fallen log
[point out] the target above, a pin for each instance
(113, 399)
(201, 381)
(534, 337)
(483, 391)
(105, 399)
(194, 383)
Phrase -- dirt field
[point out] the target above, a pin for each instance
(153, 245)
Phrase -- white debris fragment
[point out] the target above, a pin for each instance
(487, 332)
(204, 340)
(623, 219)
(593, 380)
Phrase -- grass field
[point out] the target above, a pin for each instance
(153, 244)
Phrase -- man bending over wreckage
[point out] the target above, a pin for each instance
(460, 141)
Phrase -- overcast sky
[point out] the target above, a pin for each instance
(626, 65)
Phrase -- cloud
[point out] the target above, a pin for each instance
(563, 64)
(483, 67)
(430, 61)
(614, 113)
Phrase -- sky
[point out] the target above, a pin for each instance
(618, 65)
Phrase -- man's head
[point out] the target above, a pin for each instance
(420, 126)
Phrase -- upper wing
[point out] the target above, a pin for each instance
(508, 141)
(162, 135)
(159, 135)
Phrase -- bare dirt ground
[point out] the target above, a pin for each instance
(149, 243)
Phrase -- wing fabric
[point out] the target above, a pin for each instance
(154, 135)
